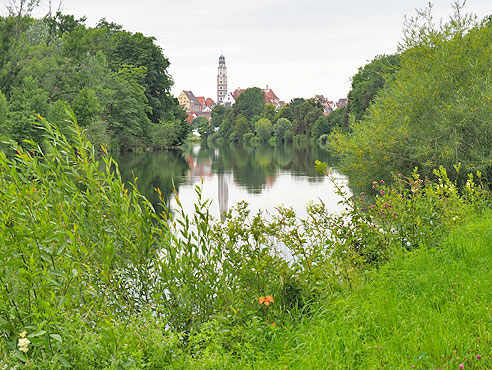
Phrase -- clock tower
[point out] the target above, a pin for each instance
(221, 81)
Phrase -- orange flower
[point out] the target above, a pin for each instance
(266, 300)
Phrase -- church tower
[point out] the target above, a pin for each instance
(221, 81)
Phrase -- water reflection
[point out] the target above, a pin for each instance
(264, 176)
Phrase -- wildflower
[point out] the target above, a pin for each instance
(362, 194)
(273, 323)
(23, 342)
(382, 181)
(462, 366)
(478, 357)
(382, 192)
(266, 300)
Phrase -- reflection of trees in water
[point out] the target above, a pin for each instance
(154, 170)
(257, 167)
(253, 168)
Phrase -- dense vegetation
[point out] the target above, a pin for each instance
(123, 286)
(94, 276)
(251, 120)
(115, 82)
(434, 110)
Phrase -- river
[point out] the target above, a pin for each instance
(263, 176)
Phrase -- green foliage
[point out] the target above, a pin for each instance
(432, 112)
(368, 81)
(136, 49)
(269, 112)
(305, 115)
(86, 281)
(86, 106)
(425, 310)
(249, 103)
(110, 78)
(242, 126)
(247, 137)
(281, 128)
(264, 129)
(326, 124)
(205, 129)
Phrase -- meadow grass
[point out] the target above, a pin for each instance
(428, 309)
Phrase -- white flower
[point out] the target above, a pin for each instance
(23, 343)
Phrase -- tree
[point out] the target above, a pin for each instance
(129, 122)
(269, 112)
(60, 23)
(86, 106)
(26, 102)
(305, 115)
(368, 81)
(197, 122)
(136, 49)
(242, 126)
(205, 129)
(326, 124)
(249, 103)
(281, 128)
(264, 129)
(432, 112)
(217, 115)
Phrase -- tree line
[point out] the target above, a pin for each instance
(250, 119)
(426, 107)
(115, 82)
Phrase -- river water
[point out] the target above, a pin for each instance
(263, 176)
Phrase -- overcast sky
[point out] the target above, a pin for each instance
(298, 48)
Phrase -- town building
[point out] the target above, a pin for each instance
(228, 100)
(221, 80)
(189, 102)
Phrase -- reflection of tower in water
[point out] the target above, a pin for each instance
(223, 195)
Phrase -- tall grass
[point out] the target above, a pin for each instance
(96, 278)
(427, 309)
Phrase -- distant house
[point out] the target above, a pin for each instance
(342, 102)
(189, 102)
(229, 100)
(270, 97)
(201, 100)
(210, 103)
(329, 105)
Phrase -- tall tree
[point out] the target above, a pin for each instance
(249, 103)
(136, 49)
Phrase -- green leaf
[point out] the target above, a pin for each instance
(56, 337)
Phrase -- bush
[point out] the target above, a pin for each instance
(234, 137)
(248, 136)
(323, 139)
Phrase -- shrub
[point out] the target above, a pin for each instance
(248, 136)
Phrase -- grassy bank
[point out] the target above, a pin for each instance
(92, 277)
(425, 310)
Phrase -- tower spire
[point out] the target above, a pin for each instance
(221, 80)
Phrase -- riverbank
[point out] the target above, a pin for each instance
(92, 276)
(425, 310)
